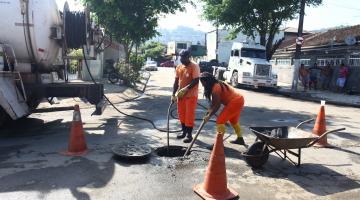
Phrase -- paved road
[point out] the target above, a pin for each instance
(32, 166)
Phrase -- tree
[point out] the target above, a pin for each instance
(252, 17)
(154, 50)
(132, 22)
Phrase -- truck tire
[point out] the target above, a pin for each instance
(234, 79)
(4, 117)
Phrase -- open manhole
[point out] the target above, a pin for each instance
(171, 151)
(132, 151)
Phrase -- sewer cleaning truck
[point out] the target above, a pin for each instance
(33, 35)
(248, 66)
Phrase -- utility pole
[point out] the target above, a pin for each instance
(299, 41)
(217, 42)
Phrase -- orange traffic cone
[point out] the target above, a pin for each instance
(215, 184)
(77, 144)
(320, 126)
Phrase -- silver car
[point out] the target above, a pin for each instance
(151, 66)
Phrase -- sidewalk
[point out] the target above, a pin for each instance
(318, 95)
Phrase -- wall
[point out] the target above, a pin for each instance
(284, 73)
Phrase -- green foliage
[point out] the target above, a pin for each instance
(154, 50)
(130, 72)
(74, 63)
(132, 22)
(254, 16)
(137, 62)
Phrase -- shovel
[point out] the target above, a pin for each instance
(194, 139)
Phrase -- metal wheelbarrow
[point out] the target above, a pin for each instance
(281, 140)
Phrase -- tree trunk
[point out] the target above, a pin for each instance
(262, 38)
(270, 46)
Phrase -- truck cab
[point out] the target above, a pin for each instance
(248, 66)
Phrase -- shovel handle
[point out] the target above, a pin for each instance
(195, 137)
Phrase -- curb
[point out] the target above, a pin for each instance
(315, 99)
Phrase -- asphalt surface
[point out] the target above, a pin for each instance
(32, 165)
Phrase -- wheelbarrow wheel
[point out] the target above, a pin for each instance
(257, 155)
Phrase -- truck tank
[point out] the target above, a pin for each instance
(31, 35)
(27, 26)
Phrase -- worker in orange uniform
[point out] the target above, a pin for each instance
(218, 92)
(186, 93)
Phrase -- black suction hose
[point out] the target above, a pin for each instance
(168, 126)
(114, 106)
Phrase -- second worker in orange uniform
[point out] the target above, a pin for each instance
(218, 92)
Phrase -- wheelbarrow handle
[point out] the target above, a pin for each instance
(195, 137)
(304, 122)
(323, 135)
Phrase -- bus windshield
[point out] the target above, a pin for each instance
(253, 53)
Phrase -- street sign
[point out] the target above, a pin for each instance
(299, 40)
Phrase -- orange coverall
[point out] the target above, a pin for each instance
(233, 101)
(187, 104)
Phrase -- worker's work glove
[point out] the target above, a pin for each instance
(173, 98)
(181, 92)
(206, 118)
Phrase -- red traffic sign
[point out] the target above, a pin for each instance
(299, 40)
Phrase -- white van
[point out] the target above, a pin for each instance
(248, 66)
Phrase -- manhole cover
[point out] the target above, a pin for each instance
(132, 151)
(172, 151)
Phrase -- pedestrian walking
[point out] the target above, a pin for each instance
(325, 76)
(342, 76)
(186, 93)
(219, 93)
(304, 76)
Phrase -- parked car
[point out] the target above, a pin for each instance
(151, 66)
(169, 63)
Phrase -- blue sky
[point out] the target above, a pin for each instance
(330, 14)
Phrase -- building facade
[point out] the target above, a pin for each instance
(334, 46)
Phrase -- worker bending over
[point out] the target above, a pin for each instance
(218, 92)
(186, 91)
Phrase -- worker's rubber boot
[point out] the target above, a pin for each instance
(189, 137)
(239, 141)
(183, 134)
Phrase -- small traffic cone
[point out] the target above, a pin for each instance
(215, 184)
(320, 126)
(77, 144)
